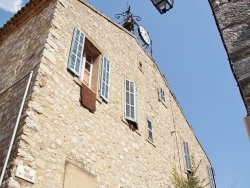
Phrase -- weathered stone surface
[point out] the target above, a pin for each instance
(233, 14)
(56, 128)
(13, 184)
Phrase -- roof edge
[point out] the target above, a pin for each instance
(33, 7)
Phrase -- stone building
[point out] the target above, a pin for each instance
(233, 22)
(98, 111)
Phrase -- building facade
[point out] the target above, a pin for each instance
(98, 111)
(233, 22)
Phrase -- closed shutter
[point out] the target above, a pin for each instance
(187, 157)
(211, 177)
(76, 52)
(130, 101)
(105, 78)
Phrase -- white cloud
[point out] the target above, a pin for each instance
(11, 5)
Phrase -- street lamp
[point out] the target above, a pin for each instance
(163, 5)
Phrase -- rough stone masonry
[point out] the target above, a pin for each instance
(61, 140)
(233, 19)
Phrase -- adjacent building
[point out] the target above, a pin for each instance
(233, 22)
(98, 111)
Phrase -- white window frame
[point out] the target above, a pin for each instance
(187, 156)
(211, 176)
(104, 78)
(135, 102)
(83, 68)
(150, 130)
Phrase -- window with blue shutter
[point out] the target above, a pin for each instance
(76, 52)
(211, 176)
(105, 78)
(187, 157)
(130, 101)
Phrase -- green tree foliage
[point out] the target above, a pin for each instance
(193, 181)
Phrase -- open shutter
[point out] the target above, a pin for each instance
(211, 176)
(76, 52)
(105, 78)
(187, 157)
(130, 101)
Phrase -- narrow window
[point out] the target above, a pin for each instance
(105, 78)
(187, 157)
(150, 130)
(211, 176)
(130, 101)
(87, 69)
(162, 95)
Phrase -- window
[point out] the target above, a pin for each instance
(87, 69)
(130, 101)
(84, 60)
(150, 131)
(187, 157)
(161, 95)
(211, 176)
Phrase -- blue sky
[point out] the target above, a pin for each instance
(188, 49)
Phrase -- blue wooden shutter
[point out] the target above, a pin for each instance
(130, 101)
(187, 156)
(211, 176)
(105, 78)
(76, 52)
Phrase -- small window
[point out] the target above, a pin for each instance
(162, 95)
(187, 157)
(210, 173)
(130, 101)
(150, 130)
(105, 79)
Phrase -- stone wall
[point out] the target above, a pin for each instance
(20, 53)
(58, 130)
(233, 18)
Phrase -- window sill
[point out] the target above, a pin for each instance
(151, 142)
(131, 126)
(163, 103)
(140, 69)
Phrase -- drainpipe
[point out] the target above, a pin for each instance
(15, 129)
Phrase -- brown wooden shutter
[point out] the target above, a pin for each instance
(88, 98)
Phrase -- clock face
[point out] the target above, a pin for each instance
(144, 35)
